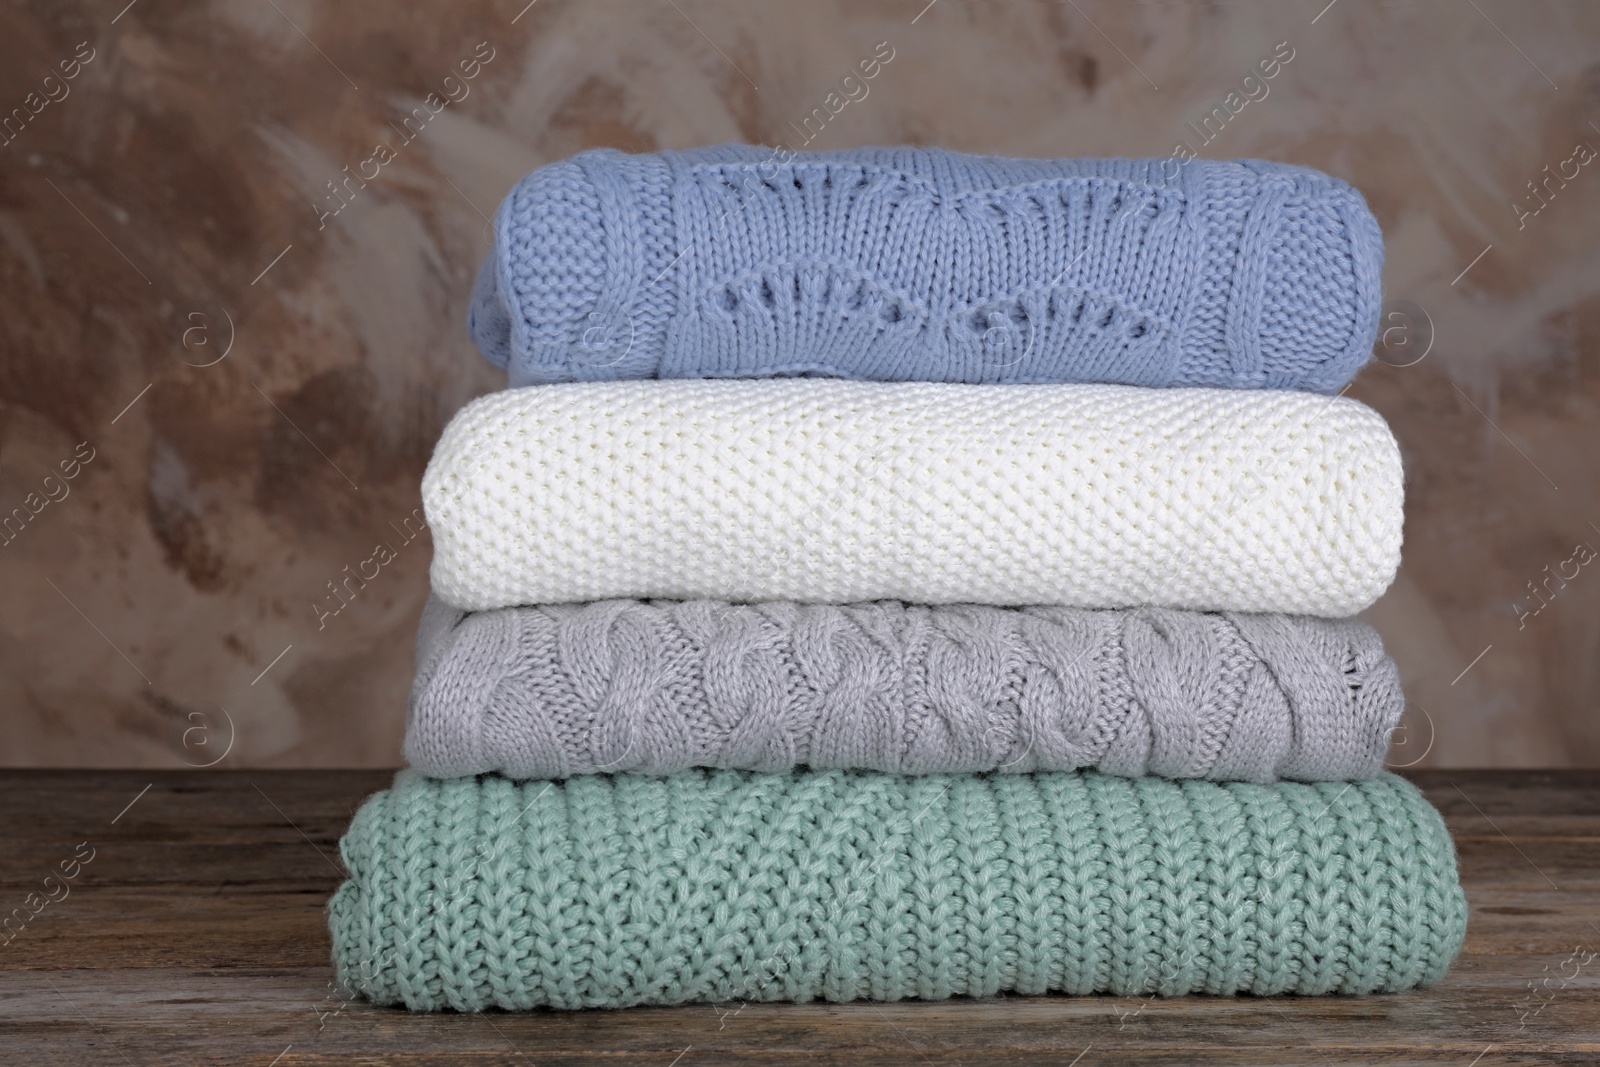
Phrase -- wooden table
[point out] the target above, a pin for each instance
(192, 931)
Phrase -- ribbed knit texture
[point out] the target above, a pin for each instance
(553, 691)
(918, 264)
(841, 492)
(609, 891)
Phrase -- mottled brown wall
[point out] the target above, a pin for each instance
(139, 212)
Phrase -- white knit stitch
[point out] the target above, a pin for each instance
(839, 491)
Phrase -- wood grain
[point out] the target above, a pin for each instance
(196, 934)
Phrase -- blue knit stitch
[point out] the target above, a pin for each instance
(908, 264)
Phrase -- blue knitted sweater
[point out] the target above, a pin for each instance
(903, 264)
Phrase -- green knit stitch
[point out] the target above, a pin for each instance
(1086, 963)
(1184, 927)
(1277, 863)
(1025, 835)
(715, 885)
(1324, 918)
(1229, 884)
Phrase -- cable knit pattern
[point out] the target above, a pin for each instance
(610, 891)
(842, 492)
(918, 264)
(658, 687)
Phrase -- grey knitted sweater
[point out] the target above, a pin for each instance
(659, 686)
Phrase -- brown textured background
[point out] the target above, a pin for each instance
(137, 214)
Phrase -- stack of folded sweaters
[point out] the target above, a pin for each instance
(899, 573)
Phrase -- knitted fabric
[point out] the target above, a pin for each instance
(609, 891)
(841, 492)
(916, 264)
(657, 687)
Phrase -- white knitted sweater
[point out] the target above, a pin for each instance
(841, 491)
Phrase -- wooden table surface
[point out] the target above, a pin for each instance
(191, 930)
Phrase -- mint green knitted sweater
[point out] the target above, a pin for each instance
(609, 891)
